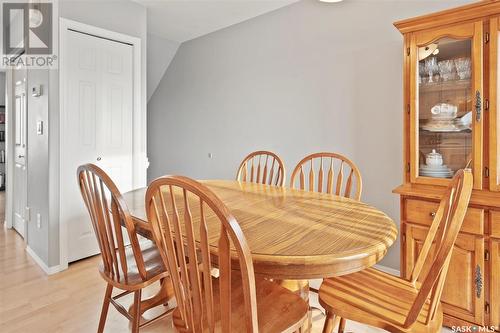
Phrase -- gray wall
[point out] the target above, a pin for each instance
(308, 77)
(161, 51)
(38, 164)
(126, 17)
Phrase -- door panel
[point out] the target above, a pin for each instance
(98, 126)
(20, 195)
(20, 147)
(463, 294)
(494, 110)
(116, 140)
(445, 116)
(494, 285)
(87, 117)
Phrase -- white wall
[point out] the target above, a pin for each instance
(161, 51)
(308, 77)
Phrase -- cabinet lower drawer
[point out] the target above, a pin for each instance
(423, 212)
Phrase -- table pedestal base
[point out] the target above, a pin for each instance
(301, 288)
(333, 323)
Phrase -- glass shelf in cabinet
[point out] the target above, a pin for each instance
(445, 86)
(465, 131)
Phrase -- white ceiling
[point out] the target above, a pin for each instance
(182, 20)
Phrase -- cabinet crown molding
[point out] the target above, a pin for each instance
(460, 14)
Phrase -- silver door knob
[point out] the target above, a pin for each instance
(98, 158)
(20, 156)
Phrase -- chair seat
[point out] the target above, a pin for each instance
(278, 309)
(376, 298)
(152, 262)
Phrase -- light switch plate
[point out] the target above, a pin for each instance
(39, 127)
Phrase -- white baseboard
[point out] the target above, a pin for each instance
(389, 270)
(48, 270)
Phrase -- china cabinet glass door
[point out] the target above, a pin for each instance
(494, 109)
(446, 108)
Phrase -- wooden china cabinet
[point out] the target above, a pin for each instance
(452, 121)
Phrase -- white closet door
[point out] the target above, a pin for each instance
(20, 197)
(98, 110)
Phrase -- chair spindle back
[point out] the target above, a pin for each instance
(263, 167)
(187, 218)
(336, 174)
(108, 211)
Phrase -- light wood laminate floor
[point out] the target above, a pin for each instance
(33, 302)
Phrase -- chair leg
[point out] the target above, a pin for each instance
(329, 322)
(341, 325)
(136, 318)
(105, 307)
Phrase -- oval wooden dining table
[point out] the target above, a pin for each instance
(295, 234)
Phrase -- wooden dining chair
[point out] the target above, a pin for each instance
(263, 167)
(395, 304)
(235, 301)
(328, 173)
(128, 268)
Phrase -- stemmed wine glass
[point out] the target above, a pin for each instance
(446, 69)
(463, 66)
(421, 71)
(431, 67)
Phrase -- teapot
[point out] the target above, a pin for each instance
(434, 158)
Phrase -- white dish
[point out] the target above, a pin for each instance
(442, 167)
(435, 167)
(443, 117)
(422, 172)
(445, 128)
(436, 173)
(466, 120)
(437, 176)
(440, 172)
(440, 125)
